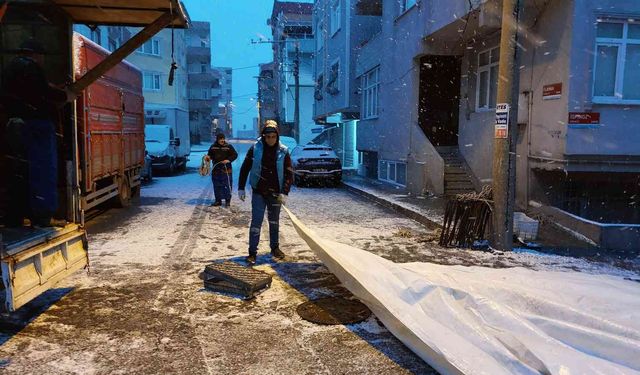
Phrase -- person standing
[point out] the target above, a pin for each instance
(222, 154)
(32, 106)
(268, 167)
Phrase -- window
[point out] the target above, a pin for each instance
(370, 89)
(150, 47)
(487, 79)
(203, 43)
(617, 62)
(392, 171)
(194, 115)
(205, 93)
(317, 93)
(406, 5)
(203, 68)
(319, 34)
(335, 16)
(333, 79)
(151, 81)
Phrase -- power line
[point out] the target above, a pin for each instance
(245, 67)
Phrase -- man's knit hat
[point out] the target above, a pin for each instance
(270, 126)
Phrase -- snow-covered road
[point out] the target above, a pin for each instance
(142, 309)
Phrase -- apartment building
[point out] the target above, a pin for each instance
(293, 49)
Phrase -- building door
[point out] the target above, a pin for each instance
(350, 157)
(439, 99)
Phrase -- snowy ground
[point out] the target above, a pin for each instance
(142, 309)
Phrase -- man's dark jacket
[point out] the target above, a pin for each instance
(268, 183)
(218, 153)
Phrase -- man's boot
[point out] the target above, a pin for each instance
(251, 260)
(216, 204)
(277, 254)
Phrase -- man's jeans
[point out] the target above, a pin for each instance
(222, 186)
(259, 203)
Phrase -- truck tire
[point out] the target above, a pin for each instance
(124, 192)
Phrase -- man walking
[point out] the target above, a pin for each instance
(222, 154)
(268, 167)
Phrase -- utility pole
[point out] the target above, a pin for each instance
(259, 117)
(506, 120)
(296, 110)
(226, 119)
(296, 75)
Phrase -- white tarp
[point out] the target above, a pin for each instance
(476, 320)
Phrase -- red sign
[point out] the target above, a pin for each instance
(501, 131)
(553, 91)
(584, 118)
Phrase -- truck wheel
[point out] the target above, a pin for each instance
(124, 193)
(135, 192)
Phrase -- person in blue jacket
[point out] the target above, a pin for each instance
(268, 167)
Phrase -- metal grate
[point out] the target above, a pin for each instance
(230, 277)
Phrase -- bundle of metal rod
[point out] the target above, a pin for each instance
(466, 218)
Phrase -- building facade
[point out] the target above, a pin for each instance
(426, 77)
(225, 101)
(267, 94)
(164, 104)
(204, 84)
(293, 51)
(342, 28)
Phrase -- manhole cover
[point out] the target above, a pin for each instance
(333, 310)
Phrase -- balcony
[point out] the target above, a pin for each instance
(202, 78)
(195, 104)
(306, 46)
(196, 52)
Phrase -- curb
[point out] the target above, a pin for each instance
(411, 214)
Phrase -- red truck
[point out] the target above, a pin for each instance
(111, 130)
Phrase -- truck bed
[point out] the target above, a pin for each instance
(32, 260)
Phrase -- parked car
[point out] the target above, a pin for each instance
(167, 151)
(316, 163)
(290, 142)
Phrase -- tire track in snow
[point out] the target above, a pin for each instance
(185, 243)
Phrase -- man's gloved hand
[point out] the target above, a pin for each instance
(282, 199)
(242, 195)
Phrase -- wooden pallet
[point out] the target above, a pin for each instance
(230, 277)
